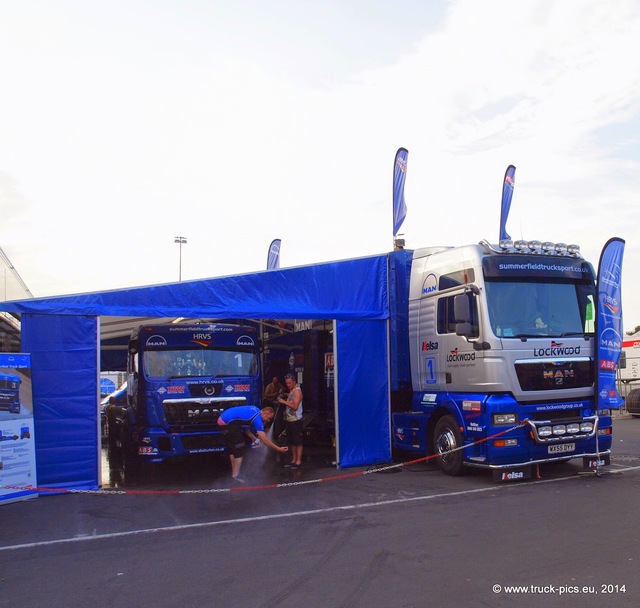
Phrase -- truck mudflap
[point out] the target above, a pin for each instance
(510, 473)
(521, 471)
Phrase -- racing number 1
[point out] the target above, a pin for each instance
(429, 370)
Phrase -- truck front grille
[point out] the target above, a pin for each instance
(554, 375)
(197, 412)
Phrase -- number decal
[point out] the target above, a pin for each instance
(429, 370)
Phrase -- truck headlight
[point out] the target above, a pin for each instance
(502, 419)
(545, 431)
(573, 428)
(586, 427)
(559, 429)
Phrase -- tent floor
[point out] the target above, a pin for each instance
(260, 467)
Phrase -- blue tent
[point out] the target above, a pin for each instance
(63, 336)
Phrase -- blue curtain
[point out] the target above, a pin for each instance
(363, 393)
(64, 364)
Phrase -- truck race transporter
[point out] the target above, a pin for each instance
(501, 345)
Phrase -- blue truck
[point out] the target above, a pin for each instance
(492, 357)
(180, 377)
(10, 393)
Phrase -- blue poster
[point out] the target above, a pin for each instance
(609, 332)
(17, 444)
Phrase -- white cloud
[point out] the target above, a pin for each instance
(232, 124)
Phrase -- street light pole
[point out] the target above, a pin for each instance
(181, 240)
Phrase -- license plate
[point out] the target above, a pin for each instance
(561, 448)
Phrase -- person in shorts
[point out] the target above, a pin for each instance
(245, 421)
(293, 420)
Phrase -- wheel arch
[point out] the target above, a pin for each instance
(448, 409)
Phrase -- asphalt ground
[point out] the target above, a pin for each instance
(404, 537)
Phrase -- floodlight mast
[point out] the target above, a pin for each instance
(181, 240)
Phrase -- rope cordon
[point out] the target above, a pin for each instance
(271, 486)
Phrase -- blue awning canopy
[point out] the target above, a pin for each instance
(62, 335)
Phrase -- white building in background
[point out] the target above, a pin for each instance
(12, 287)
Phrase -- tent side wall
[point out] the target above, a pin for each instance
(64, 366)
(363, 410)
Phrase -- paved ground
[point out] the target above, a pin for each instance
(410, 538)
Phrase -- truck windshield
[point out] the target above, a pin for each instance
(544, 309)
(197, 362)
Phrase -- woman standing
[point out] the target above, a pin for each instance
(293, 420)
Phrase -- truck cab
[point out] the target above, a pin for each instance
(501, 338)
(181, 377)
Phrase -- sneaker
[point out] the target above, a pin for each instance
(238, 480)
(290, 465)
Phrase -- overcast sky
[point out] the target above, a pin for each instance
(124, 124)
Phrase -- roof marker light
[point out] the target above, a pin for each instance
(535, 246)
(574, 250)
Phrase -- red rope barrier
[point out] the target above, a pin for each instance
(271, 486)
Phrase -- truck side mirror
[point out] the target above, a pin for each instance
(134, 347)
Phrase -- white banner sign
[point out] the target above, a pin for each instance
(17, 445)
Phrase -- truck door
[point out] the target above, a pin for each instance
(458, 351)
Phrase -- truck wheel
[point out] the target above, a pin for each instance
(446, 437)
(129, 458)
(113, 454)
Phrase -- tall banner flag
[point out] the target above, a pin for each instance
(507, 194)
(273, 258)
(399, 175)
(609, 324)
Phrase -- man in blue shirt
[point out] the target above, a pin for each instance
(245, 420)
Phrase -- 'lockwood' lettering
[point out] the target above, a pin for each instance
(456, 356)
(556, 351)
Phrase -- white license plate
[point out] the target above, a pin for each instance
(561, 448)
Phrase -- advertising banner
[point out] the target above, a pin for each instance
(399, 176)
(609, 323)
(17, 445)
(273, 257)
(507, 194)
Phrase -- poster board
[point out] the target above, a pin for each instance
(17, 444)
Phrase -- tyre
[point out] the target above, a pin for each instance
(632, 402)
(129, 458)
(113, 453)
(446, 437)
